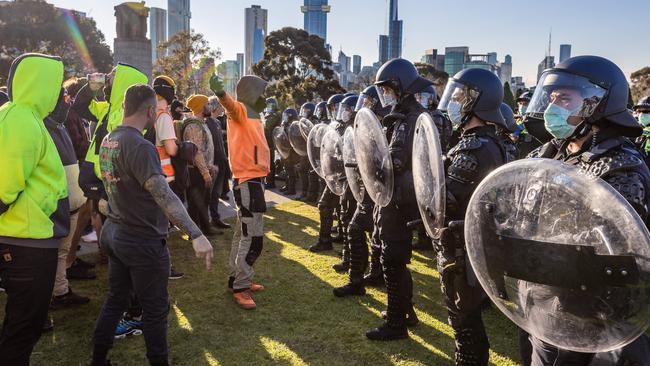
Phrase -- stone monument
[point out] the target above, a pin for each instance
(131, 45)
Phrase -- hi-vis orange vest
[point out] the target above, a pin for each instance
(165, 159)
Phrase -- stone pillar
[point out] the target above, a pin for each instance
(131, 46)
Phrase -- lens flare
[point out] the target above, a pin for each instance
(78, 40)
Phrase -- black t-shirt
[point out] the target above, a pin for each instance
(127, 161)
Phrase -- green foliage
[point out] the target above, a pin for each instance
(508, 98)
(298, 67)
(189, 61)
(640, 83)
(36, 26)
(438, 77)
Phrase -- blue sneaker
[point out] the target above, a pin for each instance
(128, 327)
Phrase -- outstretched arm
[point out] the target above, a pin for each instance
(176, 213)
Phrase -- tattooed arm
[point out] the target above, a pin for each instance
(175, 211)
(195, 133)
(171, 205)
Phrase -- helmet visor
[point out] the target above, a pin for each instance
(305, 112)
(332, 109)
(345, 113)
(427, 100)
(366, 101)
(573, 93)
(456, 92)
(387, 95)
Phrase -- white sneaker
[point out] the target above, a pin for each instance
(90, 238)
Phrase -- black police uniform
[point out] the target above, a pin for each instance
(478, 152)
(272, 121)
(614, 159)
(391, 221)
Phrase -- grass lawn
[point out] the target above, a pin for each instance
(298, 320)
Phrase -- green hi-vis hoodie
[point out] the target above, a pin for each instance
(34, 208)
(125, 77)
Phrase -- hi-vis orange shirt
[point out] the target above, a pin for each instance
(248, 152)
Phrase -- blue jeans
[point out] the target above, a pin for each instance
(141, 266)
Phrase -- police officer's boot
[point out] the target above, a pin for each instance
(350, 289)
(375, 276)
(358, 263)
(321, 245)
(395, 326)
(411, 317)
(344, 265)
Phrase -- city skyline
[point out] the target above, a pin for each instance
(511, 32)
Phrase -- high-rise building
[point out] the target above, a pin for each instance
(430, 56)
(178, 17)
(229, 71)
(455, 58)
(383, 49)
(547, 63)
(492, 58)
(157, 31)
(344, 61)
(480, 62)
(440, 62)
(394, 31)
(316, 17)
(565, 52)
(505, 73)
(356, 64)
(240, 62)
(255, 32)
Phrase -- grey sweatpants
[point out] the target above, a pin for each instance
(248, 238)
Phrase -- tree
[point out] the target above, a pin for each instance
(640, 83)
(297, 66)
(36, 26)
(508, 98)
(438, 77)
(189, 61)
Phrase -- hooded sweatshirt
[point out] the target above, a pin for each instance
(34, 209)
(110, 115)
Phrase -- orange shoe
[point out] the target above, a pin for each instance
(244, 300)
(256, 287)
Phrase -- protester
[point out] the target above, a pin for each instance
(202, 171)
(213, 112)
(249, 160)
(4, 98)
(136, 230)
(34, 209)
(63, 296)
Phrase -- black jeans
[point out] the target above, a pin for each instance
(217, 190)
(28, 276)
(198, 198)
(142, 266)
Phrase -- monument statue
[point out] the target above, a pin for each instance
(131, 45)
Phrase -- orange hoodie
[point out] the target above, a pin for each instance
(248, 152)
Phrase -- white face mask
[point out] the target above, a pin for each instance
(346, 116)
(453, 111)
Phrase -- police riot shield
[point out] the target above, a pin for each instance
(282, 143)
(352, 167)
(297, 140)
(313, 146)
(429, 175)
(305, 126)
(373, 157)
(331, 157)
(562, 254)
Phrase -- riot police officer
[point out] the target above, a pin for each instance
(309, 177)
(361, 223)
(320, 114)
(347, 203)
(583, 103)
(397, 81)
(289, 115)
(272, 119)
(511, 148)
(328, 201)
(642, 111)
(472, 100)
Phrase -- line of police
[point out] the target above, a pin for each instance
(578, 114)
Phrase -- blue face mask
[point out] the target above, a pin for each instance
(453, 111)
(644, 119)
(556, 121)
(522, 109)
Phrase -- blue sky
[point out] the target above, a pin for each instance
(616, 29)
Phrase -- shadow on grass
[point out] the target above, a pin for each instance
(298, 320)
